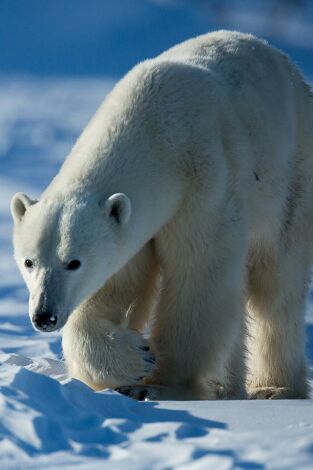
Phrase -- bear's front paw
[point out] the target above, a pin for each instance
(154, 392)
(144, 392)
(133, 360)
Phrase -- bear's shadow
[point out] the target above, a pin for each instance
(71, 417)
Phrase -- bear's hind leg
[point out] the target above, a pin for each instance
(277, 292)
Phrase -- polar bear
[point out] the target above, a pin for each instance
(189, 195)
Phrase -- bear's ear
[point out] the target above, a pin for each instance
(19, 204)
(118, 207)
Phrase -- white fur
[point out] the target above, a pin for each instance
(207, 150)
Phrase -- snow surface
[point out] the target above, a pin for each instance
(47, 420)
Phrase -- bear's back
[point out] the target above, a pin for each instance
(265, 99)
(233, 57)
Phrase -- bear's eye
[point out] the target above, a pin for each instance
(73, 265)
(28, 263)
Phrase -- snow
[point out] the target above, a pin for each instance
(48, 420)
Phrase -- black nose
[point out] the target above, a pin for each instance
(44, 321)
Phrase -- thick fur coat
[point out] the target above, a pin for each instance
(189, 194)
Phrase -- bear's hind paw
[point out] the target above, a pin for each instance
(273, 393)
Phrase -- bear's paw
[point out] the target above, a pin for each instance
(131, 358)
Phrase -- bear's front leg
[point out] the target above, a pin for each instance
(104, 355)
(198, 329)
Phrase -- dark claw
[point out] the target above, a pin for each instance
(145, 348)
(142, 395)
(151, 360)
(139, 379)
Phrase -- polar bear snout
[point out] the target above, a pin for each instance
(45, 321)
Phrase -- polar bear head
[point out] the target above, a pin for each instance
(66, 249)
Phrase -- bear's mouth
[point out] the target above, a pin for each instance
(45, 329)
